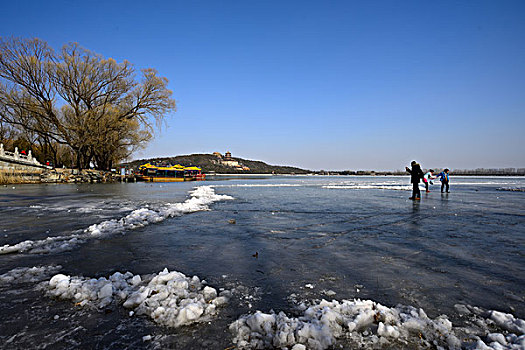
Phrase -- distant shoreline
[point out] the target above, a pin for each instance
(216, 163)
(361, 175)
(68, 176)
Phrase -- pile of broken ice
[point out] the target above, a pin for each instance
(367, 324)
(169, 298)
(173, 299)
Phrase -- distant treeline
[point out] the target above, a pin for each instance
(487, 172)
(209, 163)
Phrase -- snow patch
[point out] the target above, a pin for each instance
(512, 189)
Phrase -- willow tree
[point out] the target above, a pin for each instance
(94, 105)
(118, 141)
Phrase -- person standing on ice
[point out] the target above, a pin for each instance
(443, 177)
(415, 175)
(427, 179)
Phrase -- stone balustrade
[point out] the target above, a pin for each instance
(18, 158)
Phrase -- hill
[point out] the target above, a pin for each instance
(210, 163)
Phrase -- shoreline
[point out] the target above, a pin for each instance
(15, 177)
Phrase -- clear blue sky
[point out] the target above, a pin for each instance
(316, 84)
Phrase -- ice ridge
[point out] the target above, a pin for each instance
(200, 199)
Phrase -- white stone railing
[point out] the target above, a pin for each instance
(19, 158)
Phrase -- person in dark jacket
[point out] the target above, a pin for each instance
(416, 174)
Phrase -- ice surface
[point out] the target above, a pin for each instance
(462, 248)
(86, 208)
(169, 298)
(261, 185)
(378, 186)
(200, 199)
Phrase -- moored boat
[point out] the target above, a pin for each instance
(174, 173)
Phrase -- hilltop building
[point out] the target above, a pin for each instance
(228, 161)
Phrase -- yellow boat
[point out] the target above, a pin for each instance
(174, 173)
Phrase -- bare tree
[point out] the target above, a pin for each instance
(80, 99)
(7, 133)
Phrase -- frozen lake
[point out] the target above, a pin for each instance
(447, 271)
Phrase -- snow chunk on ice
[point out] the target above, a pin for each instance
(29, 274)
(322, 323)
(508, 322)
(367, 324)
(169, 297)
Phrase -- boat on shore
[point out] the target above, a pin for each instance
(151, 173)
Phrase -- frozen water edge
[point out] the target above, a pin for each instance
(200, 199)
(365, 323)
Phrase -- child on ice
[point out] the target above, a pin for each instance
(428, 179)
(443, 177)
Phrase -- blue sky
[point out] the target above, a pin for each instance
(316, 84)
